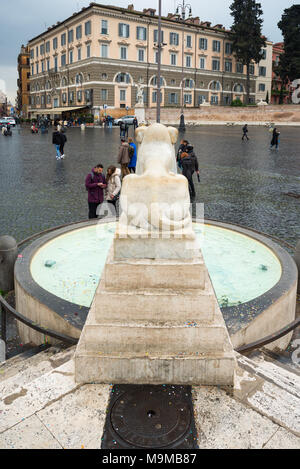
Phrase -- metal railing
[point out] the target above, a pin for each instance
(5, 308)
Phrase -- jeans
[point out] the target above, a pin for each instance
(58, 154)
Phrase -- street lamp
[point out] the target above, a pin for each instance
(183, 8)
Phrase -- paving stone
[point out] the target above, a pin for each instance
(283, 440)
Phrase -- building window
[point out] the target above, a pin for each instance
(55, 102)
(202, 63)
(202, 43)
(228, 48)
(37, 51)
(155, 36)
(55, 64)
(79, 53)
(43, 100)
(71, 97)
(79, 32)
(104, 27)
(187, 98)
(174, 39)
(262, 71)
(87, 94)
(214, 99)
(173, 82)
(239, 68)
(64, 82)
(141, 33)
(188, 83)
(251, 69)
(70, 57)
(79, 78)
(88, 51)
(262, 87)
(201, 99)
(173, 98)
(215, 85)
(43, 67)
(228, 66)
(188, 61)
(141, 55)
(79, 96)
(123, 53)
(88, 28)
(63, 60)
(238, 88)
(55, 43)
(189, 41)
(37, 69)
(104, 95)
(70, 35)
(264, 54)
(123, 78)
(156, 56)
(216, 46)
(173, 58)
(32, 54)
(42, 49)
(48, 46)
(63, 39)
(124, 30)
(48, 99)
(104, 51)
(64, 98)
(216, 65)
(122, 95)
(48, 65)
(154, 97)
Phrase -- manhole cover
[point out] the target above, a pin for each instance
(152, 416)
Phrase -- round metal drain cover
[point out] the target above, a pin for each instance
(151, 418)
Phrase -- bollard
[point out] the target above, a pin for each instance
(2, 351)
(8, 256)
(297, 260)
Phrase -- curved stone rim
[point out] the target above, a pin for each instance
(236, 317)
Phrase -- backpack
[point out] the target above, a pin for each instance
(131, 151)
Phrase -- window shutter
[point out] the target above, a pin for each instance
(127, 30)
(120, 29)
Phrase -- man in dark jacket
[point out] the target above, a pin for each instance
(189, 164)
(57, 141)
(245, 132)
(95, 184)
(62, 144)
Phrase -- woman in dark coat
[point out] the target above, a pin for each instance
(275, 139)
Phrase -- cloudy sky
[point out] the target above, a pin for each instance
(21, 20)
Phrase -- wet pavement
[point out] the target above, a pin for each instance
(241, 182)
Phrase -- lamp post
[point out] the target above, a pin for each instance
(183, 7)
(159, 46)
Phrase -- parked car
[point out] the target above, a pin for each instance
(10, 121)
(127, 119)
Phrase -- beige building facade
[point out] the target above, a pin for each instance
(98, 56)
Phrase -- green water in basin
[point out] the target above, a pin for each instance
(240, 267)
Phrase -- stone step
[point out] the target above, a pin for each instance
(22, 372)
(211, 369)
(156, 305)
(139, 338)
(273, 373)
(133, 274)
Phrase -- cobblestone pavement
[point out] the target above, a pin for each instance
(241, 182)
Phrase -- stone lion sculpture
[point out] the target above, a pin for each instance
(156, 199)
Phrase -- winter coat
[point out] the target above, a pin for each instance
(191, 153)
(188, 166)
(113, 185)
(133, 160)
(123, 157)
(275, 137)
(95, 193)
(56, 138)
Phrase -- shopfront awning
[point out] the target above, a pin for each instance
(56, 110)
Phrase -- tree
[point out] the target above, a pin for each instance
(281, 70)
(247, 34)
(290, 27)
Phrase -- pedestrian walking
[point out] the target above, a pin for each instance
(181, 149)
(132, 155)
(245, 132)
(122, 129)
(275, 139)
(135, 124)
(188, 162)
(113, 189)
(57, 140)
(95, 184)
(63, 139)
(123, 157)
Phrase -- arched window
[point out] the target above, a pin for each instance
(123, 78)
(154, 81)
(37, 87)
(238, 88)
(64, 82)
(188, 83)
(48, 85)
(215, 85)
(79, 78)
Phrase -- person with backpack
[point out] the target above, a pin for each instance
(132, 155)
(95, 184)
(124, 158)
(189, 164)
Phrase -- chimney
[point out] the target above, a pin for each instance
(149, 11)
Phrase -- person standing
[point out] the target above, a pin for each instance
(245, 132)
(95, 184)
(123, 157)
(122, 129)
(63, 139)
(113, 182)
(181, 149)
(133, 157)
(275, 139)
(188, 169)
(57, 140)
(135, 124)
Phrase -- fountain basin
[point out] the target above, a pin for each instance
(255, 280)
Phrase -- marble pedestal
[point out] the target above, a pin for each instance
(155, 321)
(140, 113)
